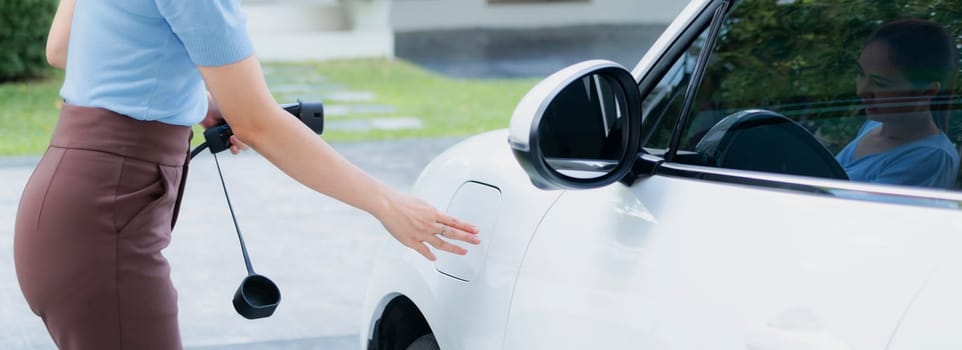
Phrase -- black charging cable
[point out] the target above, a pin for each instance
(257, 295)
(217, 139)
(247, 259)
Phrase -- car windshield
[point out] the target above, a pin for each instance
(874, 83)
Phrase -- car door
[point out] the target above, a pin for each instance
(728, 236)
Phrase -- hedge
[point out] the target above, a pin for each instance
(23, 32)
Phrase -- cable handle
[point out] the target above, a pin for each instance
(217, 138)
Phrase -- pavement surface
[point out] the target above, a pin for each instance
(317, 250)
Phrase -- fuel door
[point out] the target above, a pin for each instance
(478, 204)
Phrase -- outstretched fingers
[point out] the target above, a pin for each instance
(422, 227)
(422, 249)
(439, 239)
(455, 223)
(453, 233)
(441, 244)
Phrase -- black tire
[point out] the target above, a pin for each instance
(425, 342)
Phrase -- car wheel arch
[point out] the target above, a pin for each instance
(399, 324)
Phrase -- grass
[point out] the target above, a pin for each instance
(446, 107)
(28, 113)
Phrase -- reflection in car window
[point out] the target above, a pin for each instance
(904, 70)
(827, 74)
(662, 107)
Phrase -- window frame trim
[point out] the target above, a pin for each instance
(878, 193)
(718, 15)
(668, 57)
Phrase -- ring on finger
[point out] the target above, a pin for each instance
(444, 230)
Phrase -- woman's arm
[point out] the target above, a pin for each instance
(255, 117)
(59, 33)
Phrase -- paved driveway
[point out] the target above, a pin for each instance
(317, 250)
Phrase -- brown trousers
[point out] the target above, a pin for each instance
(92, 222)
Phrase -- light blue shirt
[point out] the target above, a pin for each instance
(929, 162)
(139, 57)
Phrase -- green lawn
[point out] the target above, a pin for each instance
(28, 112)
(446, 107)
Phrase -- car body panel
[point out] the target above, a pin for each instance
(935, 318)
(659, 267)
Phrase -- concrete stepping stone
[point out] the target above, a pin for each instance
(305, 88)
(360, 125)
(356, 97)
(349, 96)
(340, 110)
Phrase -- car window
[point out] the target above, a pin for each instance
(854, 90)
(662, 106)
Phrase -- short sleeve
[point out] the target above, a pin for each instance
(214, 32)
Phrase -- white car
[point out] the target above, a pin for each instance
(702, 200)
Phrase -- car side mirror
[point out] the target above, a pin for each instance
(578, 128)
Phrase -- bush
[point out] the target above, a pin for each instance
(23, 32)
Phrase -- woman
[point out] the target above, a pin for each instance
(101, 204)
(905, 77)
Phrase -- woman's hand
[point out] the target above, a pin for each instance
(417, 224)
(215, 118)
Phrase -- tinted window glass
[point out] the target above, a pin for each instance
(662, 107)
(812, 87)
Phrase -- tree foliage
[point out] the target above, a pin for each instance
(23, 32)
(778, 52)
